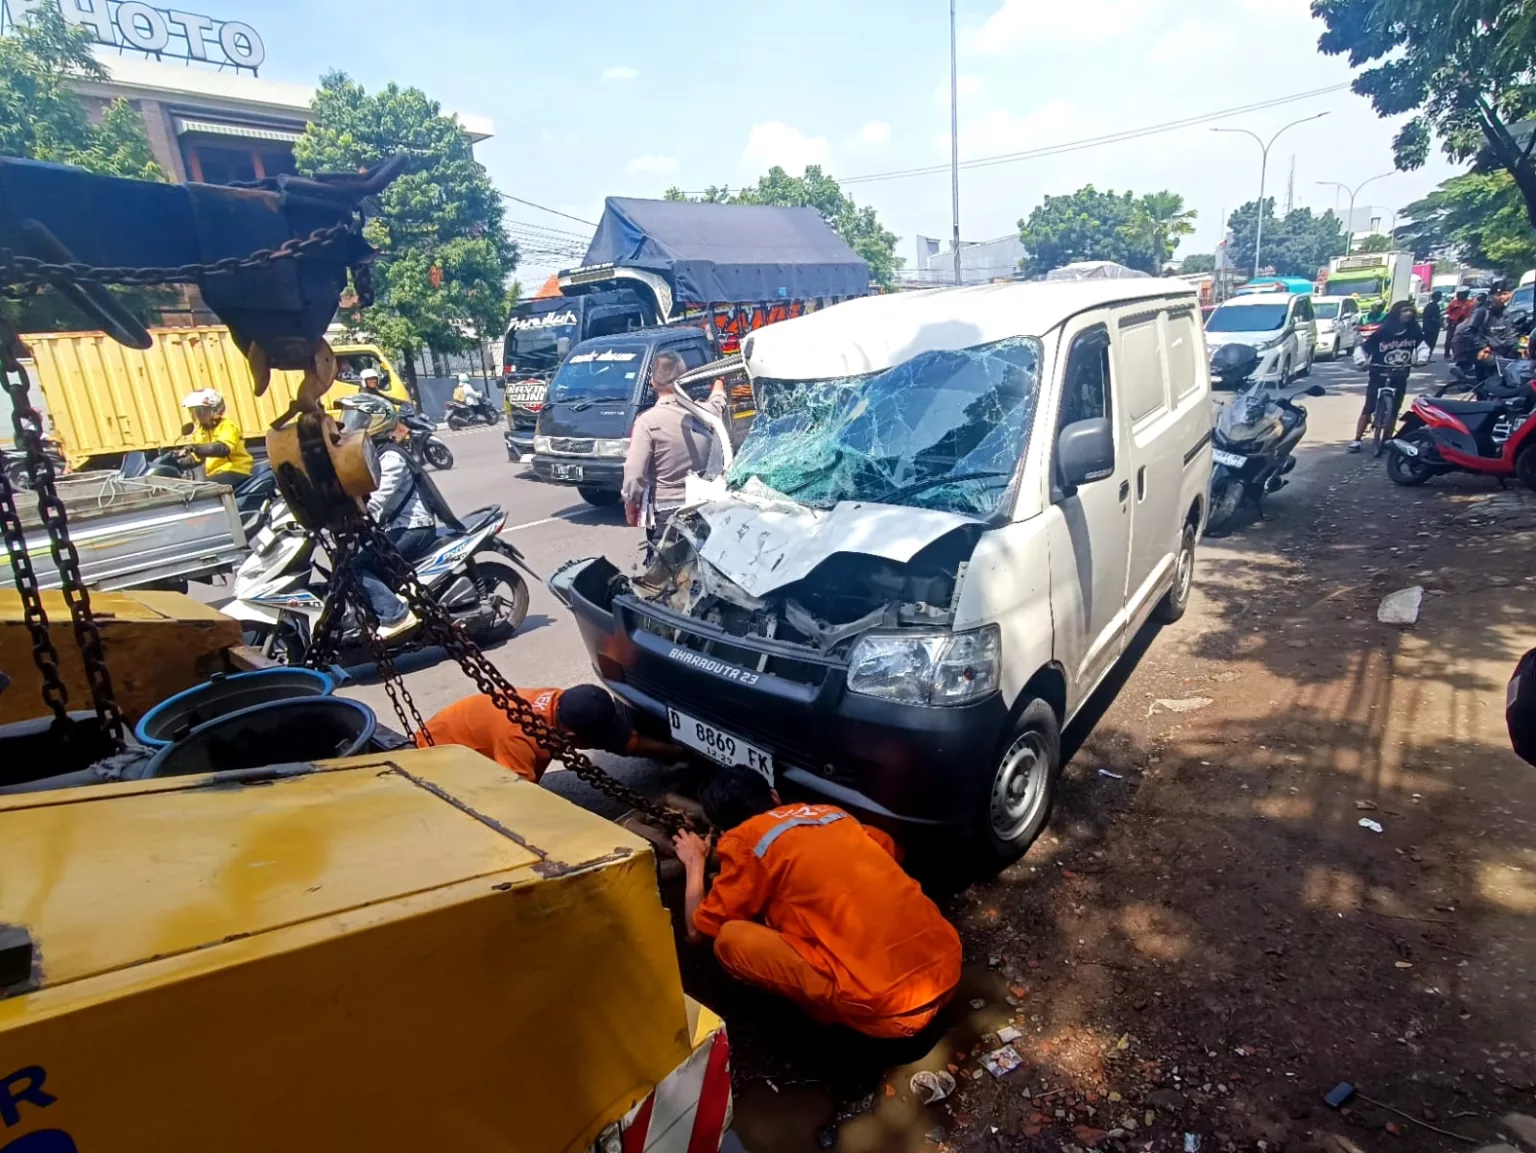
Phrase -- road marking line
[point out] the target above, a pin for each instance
(531, 524)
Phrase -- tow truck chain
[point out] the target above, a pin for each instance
(439, 627)
(28, 425)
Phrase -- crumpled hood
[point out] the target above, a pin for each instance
(761, 541)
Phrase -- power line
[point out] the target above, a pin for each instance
(1097, 141)
(557, 233)
(551, 211)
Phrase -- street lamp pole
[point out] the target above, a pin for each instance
(1258, 229)
(954, 137)
(1349, 233)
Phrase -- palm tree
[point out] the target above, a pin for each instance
(1167, 220)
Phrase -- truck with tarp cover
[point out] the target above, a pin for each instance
(726, 268)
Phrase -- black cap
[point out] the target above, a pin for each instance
(592, 718)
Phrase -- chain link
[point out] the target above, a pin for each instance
(439, 627)
(44, 655)
(29, 270)
(28, 426)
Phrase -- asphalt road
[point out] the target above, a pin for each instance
(550, 524)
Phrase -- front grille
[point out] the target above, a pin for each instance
(570, 446)
(744, 725)
(771, 664)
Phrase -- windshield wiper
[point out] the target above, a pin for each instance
(934, 482)
(578, 405)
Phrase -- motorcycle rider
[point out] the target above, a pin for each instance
(217, 440)
(1485, 330)
(1391, 349)
(406, 504)
(1456, 313)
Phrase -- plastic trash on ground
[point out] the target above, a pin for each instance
(932, 1086)
(1401, 607)
(1001, 1062)
(1374, 826)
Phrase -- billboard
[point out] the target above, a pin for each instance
(157, 32)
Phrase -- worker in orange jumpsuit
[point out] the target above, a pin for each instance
(586, 714)
(812, 905)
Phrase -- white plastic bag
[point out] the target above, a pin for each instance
(1361, 360)
(1421, 354)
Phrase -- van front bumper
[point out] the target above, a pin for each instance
(899, 763)
(598, 472)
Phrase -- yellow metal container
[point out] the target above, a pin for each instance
(417, 951)
(105, 398)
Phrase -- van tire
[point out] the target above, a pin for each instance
(598, 497)
(1311, 356)
(1176, 599)
(1017, 808)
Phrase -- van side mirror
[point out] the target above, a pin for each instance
(186, 430)
(1085, 452)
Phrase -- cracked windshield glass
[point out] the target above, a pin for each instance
(943, 430)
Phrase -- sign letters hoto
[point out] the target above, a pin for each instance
(154, 31)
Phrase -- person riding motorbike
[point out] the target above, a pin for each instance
(1484, 332)
(406, 504)
(216, 439)
(1456, 314)
(1391, 350)
(465, 393)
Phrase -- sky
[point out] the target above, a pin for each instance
(610, 98)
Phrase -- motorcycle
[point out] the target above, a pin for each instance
(1255, 436)
(1487, 437)
(16, 466)
(424, 443)
(253, 496)
(461, 414)
(280, 590)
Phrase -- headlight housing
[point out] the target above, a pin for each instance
(619, 446)
(1271, 345)
(541, 444)
(926, 668)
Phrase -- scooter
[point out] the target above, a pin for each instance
(464, 415)
(424, 443)
(253, 496)
(1255, 436)
(1488, 437)
(280, 589)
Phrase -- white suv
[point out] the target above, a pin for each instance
(1280, 326)
(1338, 324)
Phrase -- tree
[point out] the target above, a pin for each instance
(440, 280)
(1465, 68)
(1375, 242)
(859, 226)
(1087, 225)
(1481, 217)
(1168, 221)
(1297, 245)
(1198, 262)
(714, 194)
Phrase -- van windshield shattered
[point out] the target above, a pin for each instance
(944, 430)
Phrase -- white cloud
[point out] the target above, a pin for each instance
(651, 162)
(775, 142)
(1046, 25)
(620, 72)
(1002, 131)
(967, 84)
(872, 138)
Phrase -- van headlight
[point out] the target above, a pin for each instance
(619, 446)
(926, 668)
(541, 444)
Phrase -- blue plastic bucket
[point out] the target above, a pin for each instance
(221, 695)
(275, 733)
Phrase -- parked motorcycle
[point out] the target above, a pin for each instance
(16, 465)
(1255, 436)
(1487, 437)
(424, 443)
(280, 589)
(1504, 378)
(253, 496)
(460, 414)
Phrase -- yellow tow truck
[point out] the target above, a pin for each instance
(405, 949)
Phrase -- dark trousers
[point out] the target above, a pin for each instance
(410, 543)
(232, 479)
(1450, 336)
(1432, 336)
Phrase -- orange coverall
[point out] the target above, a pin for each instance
(476, 723)
(813, 905)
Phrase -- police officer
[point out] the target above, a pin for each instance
(666, 444)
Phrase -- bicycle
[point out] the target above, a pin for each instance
(1385, 414)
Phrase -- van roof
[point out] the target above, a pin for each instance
(646, 336)
(873, 333)
(1252, 298)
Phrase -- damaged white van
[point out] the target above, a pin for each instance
(954, 510)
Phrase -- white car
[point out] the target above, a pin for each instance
(1279, 325)
(1338, 324)
(954, 513)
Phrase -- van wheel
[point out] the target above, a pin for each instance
(1023, 786)
(1176, 599)
(1308, 370)
(598, 497)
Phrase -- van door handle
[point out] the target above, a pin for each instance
(1141, 483)
(1125, 490)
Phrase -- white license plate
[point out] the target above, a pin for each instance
(718, 745)
(565, 471)
(532, 393)
(1230, 459)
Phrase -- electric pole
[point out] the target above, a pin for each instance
(954, 136)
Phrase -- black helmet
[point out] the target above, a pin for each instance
(371, 414)
(1234, 360)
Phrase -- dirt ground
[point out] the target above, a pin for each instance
(1207, 940)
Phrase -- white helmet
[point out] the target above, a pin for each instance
(464, 379)
(203, 398)
(368, 374)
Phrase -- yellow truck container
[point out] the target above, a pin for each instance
(407, 951)
(106, 399)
